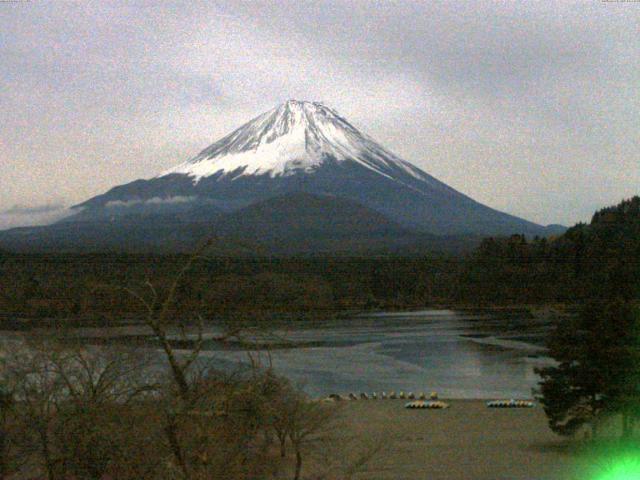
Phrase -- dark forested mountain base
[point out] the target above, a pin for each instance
(293, 224)
(600, 259)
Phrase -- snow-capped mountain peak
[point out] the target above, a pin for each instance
(303, 147)
(295, 136)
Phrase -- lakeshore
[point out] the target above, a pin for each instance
(467, 441)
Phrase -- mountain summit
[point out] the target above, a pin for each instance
(300, 163)
(294, 137)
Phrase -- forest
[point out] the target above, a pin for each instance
(598, 259)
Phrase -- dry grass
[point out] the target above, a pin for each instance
(466, 441)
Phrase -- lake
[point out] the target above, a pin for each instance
(458, 355)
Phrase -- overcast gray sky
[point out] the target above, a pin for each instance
(529, 107)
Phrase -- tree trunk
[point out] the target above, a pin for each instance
(46, 453)
(283, 445)
(178, 373)
(3, 455)
(298, 465)
(268, 437)
(171, 429)
(627, 426)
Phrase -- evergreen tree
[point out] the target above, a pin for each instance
(598, 368)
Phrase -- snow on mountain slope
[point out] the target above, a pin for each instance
(295, 136)
(304, 147)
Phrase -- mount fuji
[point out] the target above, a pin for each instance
(301, 153)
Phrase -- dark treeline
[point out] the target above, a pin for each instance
(589, 261)
(81, 285)
(599, 259)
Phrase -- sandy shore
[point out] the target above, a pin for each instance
(466, 441)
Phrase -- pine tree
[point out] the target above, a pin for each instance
(598, 368)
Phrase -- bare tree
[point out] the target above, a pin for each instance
(159, 318)
(7, 458)
(100, 385)
(29, 374)
(69, 399)
(204, 441)
(308, 422)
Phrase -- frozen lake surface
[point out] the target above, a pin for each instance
(458, 355)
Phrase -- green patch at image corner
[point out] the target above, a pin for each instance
(616, 461)
(623, 468)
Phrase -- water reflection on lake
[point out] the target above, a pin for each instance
(458, 355)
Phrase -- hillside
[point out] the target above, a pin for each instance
(601, 258)
(295, 223)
